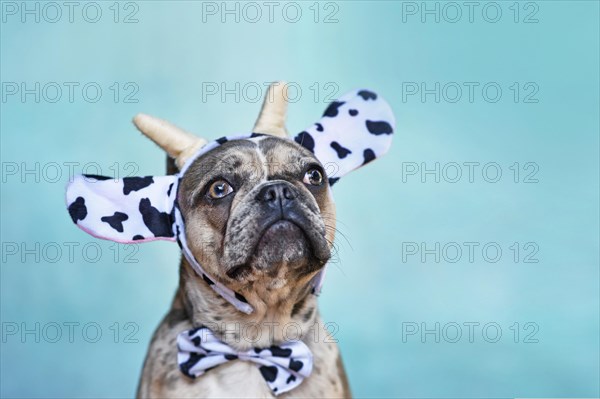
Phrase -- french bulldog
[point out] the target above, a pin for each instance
(255, 219)
(260, 218)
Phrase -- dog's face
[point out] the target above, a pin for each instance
(258, 211)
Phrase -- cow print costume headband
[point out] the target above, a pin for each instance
(354, 130)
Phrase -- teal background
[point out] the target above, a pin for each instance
(370, 291)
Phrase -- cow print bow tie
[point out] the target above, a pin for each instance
(283, 367)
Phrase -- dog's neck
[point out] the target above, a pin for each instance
(283, 314)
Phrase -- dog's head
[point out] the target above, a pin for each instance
(258, 210)
(251, 212)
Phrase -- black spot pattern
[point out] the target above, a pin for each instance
(332, 109)
(136, 183)
(332, 181)
(169, 191)
(191, 362)
(306, 141)
(208, 280)
(78, 210)
(279, 351)
(341, 151)
(353, 112)
(116, 221)
(222, 140)
(138, 237)
(291, 378)
(269, 373)
(97, 177)
(256, 135)
(367, 95)
(172, 215)
(240, 297)
(159, 223)
(177, 237)
(319, 127)
(296, 365)
(368, 155)
(379, 127)
(230, 357)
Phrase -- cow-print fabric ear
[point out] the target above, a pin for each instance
(127, 210)
(354, 130)
(283, 366)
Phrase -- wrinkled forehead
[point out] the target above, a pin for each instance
(261, 157)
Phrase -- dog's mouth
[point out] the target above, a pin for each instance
(288, 239)
(278, 232)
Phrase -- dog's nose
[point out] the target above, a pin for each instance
(277, 194)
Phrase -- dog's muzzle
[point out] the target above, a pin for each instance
(280, 201)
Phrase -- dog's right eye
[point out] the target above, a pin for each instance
(313, 177)
(219, 189)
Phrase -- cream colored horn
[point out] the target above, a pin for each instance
(178, 143)
(273, 112)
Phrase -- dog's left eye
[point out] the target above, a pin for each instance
(313, 177)
(219, 189)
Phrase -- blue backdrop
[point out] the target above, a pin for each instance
(469, 261)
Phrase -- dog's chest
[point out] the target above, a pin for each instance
(162, 377)
(231, 380)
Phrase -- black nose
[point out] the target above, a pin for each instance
(277, 194)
